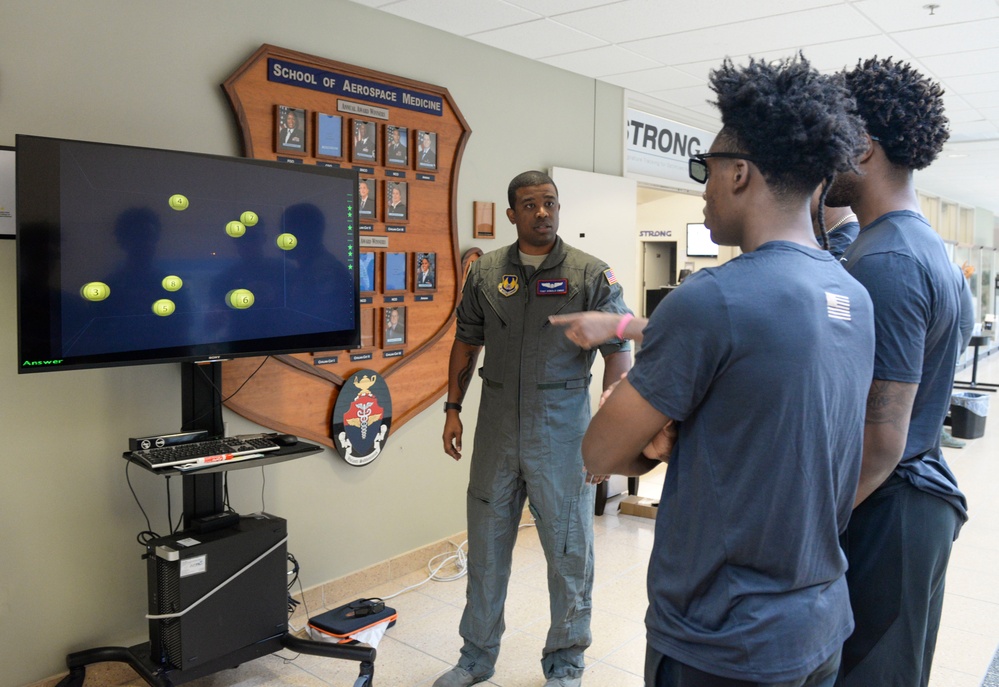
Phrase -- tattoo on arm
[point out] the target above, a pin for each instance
(888, 403)
(465, 376)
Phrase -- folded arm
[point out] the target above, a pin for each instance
(622, 429)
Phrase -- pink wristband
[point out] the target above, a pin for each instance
(622, 323)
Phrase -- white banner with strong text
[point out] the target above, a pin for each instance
(658, 147)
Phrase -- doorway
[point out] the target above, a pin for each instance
(659, 271)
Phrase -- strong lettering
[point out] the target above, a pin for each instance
(663, 140)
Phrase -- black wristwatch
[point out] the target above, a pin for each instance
(452, 406)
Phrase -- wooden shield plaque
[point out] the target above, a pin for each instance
(353, 117)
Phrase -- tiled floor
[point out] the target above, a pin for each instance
(425, 641)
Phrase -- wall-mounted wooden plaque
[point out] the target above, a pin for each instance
(296, 393)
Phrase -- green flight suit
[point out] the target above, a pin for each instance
(534, 410)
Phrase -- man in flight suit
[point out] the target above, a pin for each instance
(534, 409)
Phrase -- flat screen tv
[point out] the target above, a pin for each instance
(699, 243)
(129, 255)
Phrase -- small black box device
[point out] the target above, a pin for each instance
(231, 582)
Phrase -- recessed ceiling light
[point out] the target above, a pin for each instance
(956, 155)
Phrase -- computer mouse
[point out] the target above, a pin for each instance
(285, 440)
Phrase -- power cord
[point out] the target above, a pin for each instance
(169, 506)
(459, 559)
(149, 527)
(293, 602)
(238, 389)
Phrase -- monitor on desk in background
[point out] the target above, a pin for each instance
(699, 243)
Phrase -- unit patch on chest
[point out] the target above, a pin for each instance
(553, 287)
(508, 285)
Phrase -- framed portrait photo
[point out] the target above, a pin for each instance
(426, 151)
(396, 197)
(424, 271)
(290, 129)
(366, 262)
(329, 135)
(393, 326)
(367, 199)
(364, 141)
(395, 273)
(396, 146)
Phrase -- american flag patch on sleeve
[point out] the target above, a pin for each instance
(838, 306)
(611, 277)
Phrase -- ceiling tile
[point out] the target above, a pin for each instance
(636, 19)
(551, 8)
(963, 63)
(974, 83)
(952, 38)
(758, 36)
(834, 57)
(903, 15)
(598, 62)
(826, 57)
(461, 17)
(691, 96)
(990, 113)
(537, 39)
(962, 116)
(973, 131)
(649, 80)
(954, 102)
(976, 100)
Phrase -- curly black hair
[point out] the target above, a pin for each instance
(902, 108)
(798, 125)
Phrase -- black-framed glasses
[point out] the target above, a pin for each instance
(698, 168)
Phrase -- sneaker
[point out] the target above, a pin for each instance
(459, 677)
(949, 441)
(564, 681)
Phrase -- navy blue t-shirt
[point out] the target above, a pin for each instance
(841, 237)
(904, 266)
(765, 362)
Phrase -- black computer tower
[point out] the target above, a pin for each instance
(232, 584)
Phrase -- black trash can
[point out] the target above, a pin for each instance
(968, 411)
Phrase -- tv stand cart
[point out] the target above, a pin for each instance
(203, 496)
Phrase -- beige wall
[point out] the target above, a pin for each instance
(672, 211)
(149, 73)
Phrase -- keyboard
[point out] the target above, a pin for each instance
(205, 453)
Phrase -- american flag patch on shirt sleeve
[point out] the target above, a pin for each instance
(611, 277)
(838, 306)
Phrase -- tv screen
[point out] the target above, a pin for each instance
(699, 243)
(129, 255)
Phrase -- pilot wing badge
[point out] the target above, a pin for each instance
(508, 285)
(838, 306)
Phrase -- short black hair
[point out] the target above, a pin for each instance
(798, 125)
(524, 179)
(902, 108)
